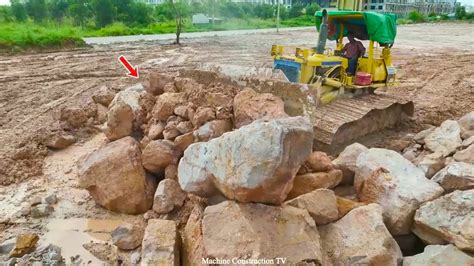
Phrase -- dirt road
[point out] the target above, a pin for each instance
(434, 61)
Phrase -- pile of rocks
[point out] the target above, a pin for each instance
(222, 172)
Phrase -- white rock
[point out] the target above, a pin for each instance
(466, 155)
(450, 217)
(385, 177)
(439, 255)
(456, 175)
(445, 139)
(467, 122)
(346, 161)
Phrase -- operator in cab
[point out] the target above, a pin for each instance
(352, 51)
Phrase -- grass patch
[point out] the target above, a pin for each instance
(19, 36)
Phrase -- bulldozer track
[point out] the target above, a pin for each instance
(347, 119)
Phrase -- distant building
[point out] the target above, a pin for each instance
(286, 3)
(404, 7)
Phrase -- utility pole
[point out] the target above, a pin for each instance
(278, 14)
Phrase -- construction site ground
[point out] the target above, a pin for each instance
(434, 63)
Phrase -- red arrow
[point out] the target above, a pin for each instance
(133, 72)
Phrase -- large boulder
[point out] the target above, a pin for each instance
(385, 177)
(158, 154)
(168, 196)
(439, 255)
(445, 139)
(255, 231)
(119, 121)
(161, 243)
(256, 163)
(447, 219)
(466, 155)
(346, 161)
(321, 204)
(250, 106)
(306, 183)
(360, 238)
(115, 178)
(456, 175)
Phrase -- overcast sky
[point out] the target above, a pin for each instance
(469, 2)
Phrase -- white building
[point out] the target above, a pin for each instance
(286, 3)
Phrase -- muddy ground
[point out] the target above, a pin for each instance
(435, 70)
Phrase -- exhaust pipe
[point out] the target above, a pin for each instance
(323, 33)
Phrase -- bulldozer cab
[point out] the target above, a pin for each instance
(307, 64)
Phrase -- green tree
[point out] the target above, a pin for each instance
(122, 8)
(58, 9)
(164, 12)
(296, 10)
(264, 11)
(80, 10)
(311, 9)
(18, 10)
(139, 13)
(6, 14)
(37, 9)
(180, 11)
(460, 12)
(104, 12)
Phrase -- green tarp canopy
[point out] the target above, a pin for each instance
(381, 28)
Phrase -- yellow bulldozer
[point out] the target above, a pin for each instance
(314, 81)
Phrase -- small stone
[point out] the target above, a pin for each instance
(41, 210)
(319, 162)
(158, 154)
(456, 176)
(346, 205)
(184, 111)
(156, 82)
(135, 258)
(52, 256)
(306, 183)
(467, 122)
(203, 115)
(466, 155)
(35, 201)
(171, 172)
(346, 161)
(467, 142)
(119, 121)
(165, 104)
(61, 141)
(156, 130)
(321, 204)
(182, 142)
(213, 129)
(420, 136)
(184, 127)
(7, 246)
(103, 96)
(51, 199)
(127, 236)
(430, 164)
(25, 243)
(168, 196)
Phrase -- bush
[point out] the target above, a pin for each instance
(416, 16)
(311, 9)
(296, 10)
